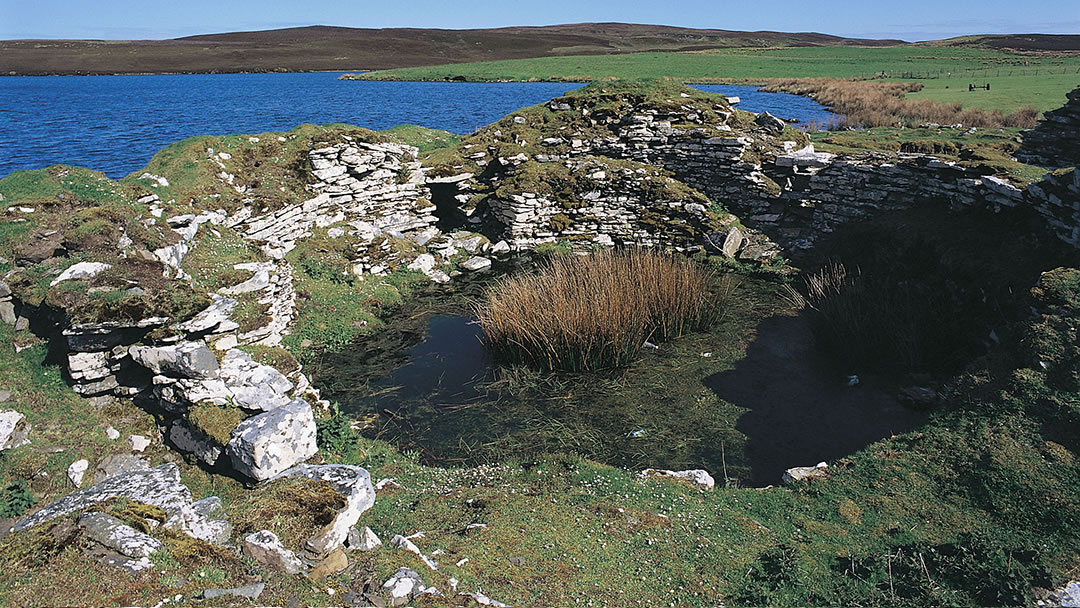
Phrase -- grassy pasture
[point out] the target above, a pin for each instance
(1016, 80)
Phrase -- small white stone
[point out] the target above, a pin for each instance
(112, 433)
(82, 270)
(138, 443)
(76, 471)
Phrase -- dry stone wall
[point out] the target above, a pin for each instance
(171, 368)
(1054, 141)
(821, 192)
(784, 196)
(624, 204)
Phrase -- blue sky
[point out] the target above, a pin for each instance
(908, 20)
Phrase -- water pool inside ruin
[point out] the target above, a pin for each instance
(752, 396)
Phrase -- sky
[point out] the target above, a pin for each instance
(909, 20)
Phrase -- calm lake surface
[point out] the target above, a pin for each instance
(115, 124)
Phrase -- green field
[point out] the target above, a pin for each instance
(1007, 93)
(1016, 80)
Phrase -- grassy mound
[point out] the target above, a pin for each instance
(597, 311)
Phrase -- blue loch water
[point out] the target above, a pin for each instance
(115, 124)
(802, 110)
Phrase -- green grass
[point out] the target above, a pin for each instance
(334, 306)
(1007, 93)
(426, 140)
(1023, 79)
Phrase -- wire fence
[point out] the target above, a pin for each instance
(981, 72)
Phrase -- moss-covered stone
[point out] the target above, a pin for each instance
(216, 422)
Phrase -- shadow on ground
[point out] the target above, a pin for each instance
(801, 410)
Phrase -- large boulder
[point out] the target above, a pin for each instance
(159, 486)
(254, 386)
(269, 443)
(352, 482)
(185, 360)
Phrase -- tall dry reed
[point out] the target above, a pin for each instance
(871, 103)
(596, 311)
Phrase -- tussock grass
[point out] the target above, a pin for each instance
(596, 312)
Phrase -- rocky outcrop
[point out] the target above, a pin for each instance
(1054, 141)
(160, 487)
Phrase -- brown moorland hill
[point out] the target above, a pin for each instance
(326, 48)
(1019, 42)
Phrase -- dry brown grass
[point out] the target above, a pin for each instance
(868, 103)
(596, 311)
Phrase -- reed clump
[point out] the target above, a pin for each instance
(581, 313)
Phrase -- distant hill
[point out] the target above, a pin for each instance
(1019, 42)
(318, 48)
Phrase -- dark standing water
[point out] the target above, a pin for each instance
(445, 367)
(116, 124)
(756, 405)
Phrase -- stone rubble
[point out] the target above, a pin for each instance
(363, 540)
(404, 586)
(76, 471)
